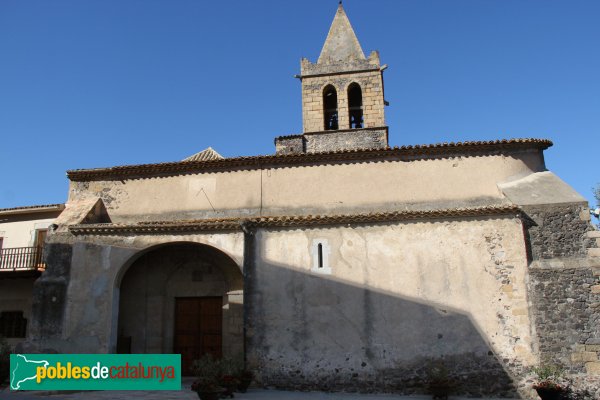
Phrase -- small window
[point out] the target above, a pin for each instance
(330, 108)
(320, 255)
(12, 324)
(355, 108)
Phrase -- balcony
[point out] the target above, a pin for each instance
(21, 259)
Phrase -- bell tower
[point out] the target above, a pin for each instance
(342, 97)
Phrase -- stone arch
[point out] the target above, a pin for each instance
(180, 297)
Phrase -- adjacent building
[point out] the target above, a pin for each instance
(23, 231)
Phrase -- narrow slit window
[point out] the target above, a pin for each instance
(320, 254)
(330, 108)
(355, 107)
(320, 251)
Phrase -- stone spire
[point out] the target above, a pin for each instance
(341, 43)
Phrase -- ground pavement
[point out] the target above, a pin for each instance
(187, 394)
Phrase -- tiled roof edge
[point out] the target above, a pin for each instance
(142, 170)
(36, 208)
(236, 224)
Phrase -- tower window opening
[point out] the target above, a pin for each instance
(355, 106)
(330, 108)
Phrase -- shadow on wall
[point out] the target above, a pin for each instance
(308, 331)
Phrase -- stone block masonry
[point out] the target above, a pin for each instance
(371, 84)
(559, 231)
(566, 315)
(564, 290)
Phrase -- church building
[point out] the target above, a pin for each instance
(336, 263)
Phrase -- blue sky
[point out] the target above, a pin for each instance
(87, 84)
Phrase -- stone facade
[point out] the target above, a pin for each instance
(566, 311)
(564, 288)
(353, 266)
(559, 231)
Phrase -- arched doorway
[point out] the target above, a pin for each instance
(182, 298)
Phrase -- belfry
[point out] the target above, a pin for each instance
(342, 97)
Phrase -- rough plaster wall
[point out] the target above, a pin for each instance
(77, 297)
(371, 84)
(15, 295)
(336, 188)
(89, 308)
(397, 294)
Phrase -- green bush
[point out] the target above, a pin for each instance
(547, 372)
(5, 351)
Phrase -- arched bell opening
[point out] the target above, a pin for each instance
(330, 108)
(355, 106)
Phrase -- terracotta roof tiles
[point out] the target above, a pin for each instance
(281, 160)
(36, 208)
(237, 224)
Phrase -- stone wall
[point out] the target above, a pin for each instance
(567, 315)
(371, 83)
(325, 141)
(353, 139)
(564, 290)
(292, 144)
(558, 231)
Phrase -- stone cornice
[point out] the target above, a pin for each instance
(237, 224)
(284, 160)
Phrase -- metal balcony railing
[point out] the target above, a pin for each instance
(21, 259)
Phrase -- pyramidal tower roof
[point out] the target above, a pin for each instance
(341, 43)
(207, 154)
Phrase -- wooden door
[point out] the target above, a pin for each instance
(198, 329)
(40, 237)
